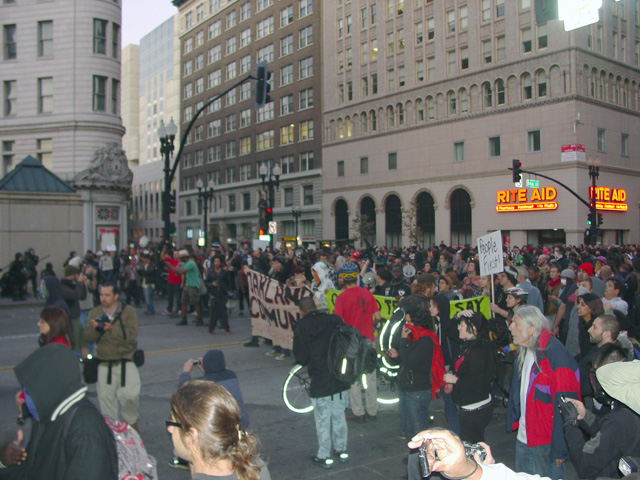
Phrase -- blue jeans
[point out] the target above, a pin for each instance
(414, 411)
(331, 424)
(148, 298)
(451, 413)
(535, 460)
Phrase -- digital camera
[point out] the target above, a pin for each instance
(101, 321)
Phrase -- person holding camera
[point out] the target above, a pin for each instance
(114, 328)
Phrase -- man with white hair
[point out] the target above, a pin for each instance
(535, 297)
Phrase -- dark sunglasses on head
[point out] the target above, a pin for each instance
(171, 423)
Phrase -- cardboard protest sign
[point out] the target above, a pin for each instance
(490, 252)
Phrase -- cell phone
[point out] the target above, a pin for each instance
(423, 460)
(197, 362)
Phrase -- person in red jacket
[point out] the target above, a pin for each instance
(54, 327)
(545, 372)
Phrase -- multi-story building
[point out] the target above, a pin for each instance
(157, 98)
(60, 87)
(129, 109)
(221, 43)
(426, 104)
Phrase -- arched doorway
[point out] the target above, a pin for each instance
(368, 217)
(460, 217)
(425, 220)
(393, 221)
(342, 221)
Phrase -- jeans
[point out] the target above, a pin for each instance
(243, 297)
(535, 460)
(331, 424)
(148, 298)
(451, 412)
(414, 411)
(173, 290)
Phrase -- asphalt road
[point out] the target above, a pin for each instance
(288, 440)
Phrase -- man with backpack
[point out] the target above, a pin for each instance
(311, 339)
(358, 308)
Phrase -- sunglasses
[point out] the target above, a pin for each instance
(171, 423)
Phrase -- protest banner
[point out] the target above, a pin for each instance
(490, 255)
(386, 304)
(477, 304)
(274, 308)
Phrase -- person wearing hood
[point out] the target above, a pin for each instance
(614, 435)
(69, 438)
(321, 283)
(73, 289)
(328, 395)
(51, 293)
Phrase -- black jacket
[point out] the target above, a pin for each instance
(415, 364)
(70, 440)
(612, 437)
(311, 348)
(475, 369)
(222, 277)
(71, 292)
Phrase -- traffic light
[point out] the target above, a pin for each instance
(517, 176)
(261, 232)
(269, 215)
(599, 219)
(262, 85)
(590, 218)
(172, 203)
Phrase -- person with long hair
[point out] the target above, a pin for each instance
(471, 381)
(205, 430)
(54, 327)
(589, 308)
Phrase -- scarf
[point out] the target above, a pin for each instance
(437, 360)
(553, 283)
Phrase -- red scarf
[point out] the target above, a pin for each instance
(437, 360)
(553, 283)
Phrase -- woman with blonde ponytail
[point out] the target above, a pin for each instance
(205, 431)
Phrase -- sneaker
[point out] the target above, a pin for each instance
(177, 462)
(272, 353)
(322, 462)
(283, 356)
(342, 456)
(371, 417)
(182, 322)
(250, 344)
(357, 418)
(166, 312)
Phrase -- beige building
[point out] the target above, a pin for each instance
(129, 109)
(433, 100)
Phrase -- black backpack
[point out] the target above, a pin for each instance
(350, 354)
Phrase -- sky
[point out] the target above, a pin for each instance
(139, 17)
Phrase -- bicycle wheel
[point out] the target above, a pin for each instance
(295, 391)
(387, 392)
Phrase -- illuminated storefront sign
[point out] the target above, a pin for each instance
(611, 199)
(526, 200)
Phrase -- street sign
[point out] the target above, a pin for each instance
(273, 228)
(533, 183)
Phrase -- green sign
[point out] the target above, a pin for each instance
(533, 183)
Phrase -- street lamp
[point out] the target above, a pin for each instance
(167, 135)
(205, 196)
(594, 173)
(270, 180)
(296, 212)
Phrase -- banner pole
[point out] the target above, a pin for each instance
(493, 292)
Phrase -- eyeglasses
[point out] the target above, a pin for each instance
(171, 423)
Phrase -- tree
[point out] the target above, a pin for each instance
(363, 229)
(410, 224)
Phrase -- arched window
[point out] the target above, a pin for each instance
(594, 81)
(431, 108)
(487, 95)
(601, 86)
(501, 97)
(419, 111)
(342, 220)
(527, 87)
(460, 217)
(364, 121)
(452, 103)
(425, 220)
(374, 120)
(393, 221)
(368, 218)
(340, 128)
(541, 82)
(391, 117)
(464, 100)
(400, 110)
(348, 126)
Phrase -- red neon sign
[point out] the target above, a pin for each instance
(526, 200)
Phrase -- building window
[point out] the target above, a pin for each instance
(265, 141)
(44, 146)
(452, 103)
(265, 27)
(231, 201)
(288, 197)
(533, 141)
(306, 161)
(286, 45)
(286, 16)
(305, 37)
(99, 93)
(391, 80)
(115, 40)
(458, 152)
(245, 92)
(486, 10)
(542, 36)
(286, 164)
(286, 105)
(262, 4)
(115, 96)
(305, 8)
(464, 58)
(286, 134)
(231, 71)
(500, 92)
(364, 165)
(214, 79)
(463, 18)
(7, 156)
(527, 87)
(306, 130)
(306, 67)
(286, 75)
(501, 48)
(45, 38)
(306, 98)
(245, 149)
(340, 167)
(525, 39)
(230, 149)
(602, 140)
(215, 29)
(245, 11)
(487, 50)
(499, 8)
(45, 95)
(392, 161)
(494, 146)
(214, 154)
(265, 113)
(265, 54)
(624, 144)
(307, 194)
(230, 123)
(231, 19)
(451, 21)
(431, 108)
(451, 62)
(245, 118)
(374, 49)
(99, 36)
(541, 82)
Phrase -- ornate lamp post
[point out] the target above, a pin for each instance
(270, 180)
(594, 173)
(205, 196)
(167, 135)
(296, 212)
